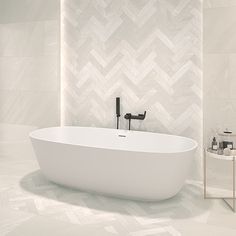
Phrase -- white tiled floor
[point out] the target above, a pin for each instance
(30, 205)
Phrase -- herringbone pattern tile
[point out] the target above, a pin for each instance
(147, 52)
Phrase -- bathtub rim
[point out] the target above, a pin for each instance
(33, 133)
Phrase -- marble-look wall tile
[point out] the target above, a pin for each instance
(219, 32)
(219, 70)
(219, 114)
(14, 11)
(218, 3)
(29, 107)
(29, 39)
(29, 73)
(220, 74)
(219, 83)
(51, 38)
(23, 39)
(29, 62)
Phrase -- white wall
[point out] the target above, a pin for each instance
(219, 79)
(146, 52)
(219, 74)
(29, 62)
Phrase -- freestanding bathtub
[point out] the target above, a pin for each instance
(130, 164)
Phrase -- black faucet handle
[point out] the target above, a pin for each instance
(143, 115)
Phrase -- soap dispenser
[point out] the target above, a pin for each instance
(214, 145)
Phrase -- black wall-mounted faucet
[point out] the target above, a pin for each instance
(129, 117)
(117, 112)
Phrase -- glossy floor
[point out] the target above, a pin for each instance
(30, 205)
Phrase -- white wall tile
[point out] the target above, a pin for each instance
(23, 39)
(219, 73)
(29, 62)
(219, 30)
(14, 11)
(51, 38)
(29, 73)
(232, 76)
(29, 108)
(218, 3)
(219, 114)
(29, 39)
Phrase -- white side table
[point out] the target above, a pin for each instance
(210, 153)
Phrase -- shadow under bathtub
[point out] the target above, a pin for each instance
(188, 203)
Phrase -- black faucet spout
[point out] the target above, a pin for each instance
(139, 116)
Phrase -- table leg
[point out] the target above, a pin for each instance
(234, 183)
(204, 174)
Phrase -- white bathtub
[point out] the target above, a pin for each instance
(130, 164)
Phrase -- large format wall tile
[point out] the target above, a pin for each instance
(29, 73)
(12, 11)
(218, 3)
(220, 73)
(51, 38)
(29, 39)
(219, 83)
(147, 52)
(29, 62)
(29, 107)
(219, 114)
(22, 39)
(219, 34)
(219, 63)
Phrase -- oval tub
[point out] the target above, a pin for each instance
(130, 164)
